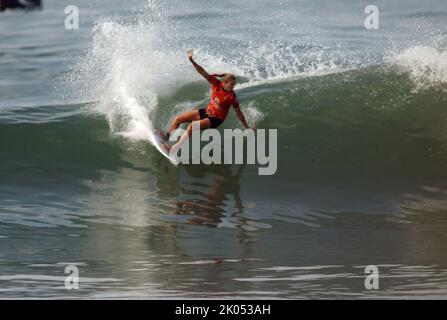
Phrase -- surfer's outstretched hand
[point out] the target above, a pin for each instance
(190, 54)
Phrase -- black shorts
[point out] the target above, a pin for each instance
(215, 122)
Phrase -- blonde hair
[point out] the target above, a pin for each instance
(227, 76)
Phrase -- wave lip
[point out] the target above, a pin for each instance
(427, 66)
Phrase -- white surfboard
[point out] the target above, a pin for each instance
(162, 145)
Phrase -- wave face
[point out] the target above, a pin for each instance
(339, 113)
(131, 67)
(387, 118)
(138, 76)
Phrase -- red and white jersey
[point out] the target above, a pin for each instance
(221, 100)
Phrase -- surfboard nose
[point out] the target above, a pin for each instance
(20, 4)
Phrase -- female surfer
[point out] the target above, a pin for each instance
(222, 97)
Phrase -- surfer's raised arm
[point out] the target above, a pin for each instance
(198, 67)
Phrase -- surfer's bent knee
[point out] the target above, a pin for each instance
(178, 121)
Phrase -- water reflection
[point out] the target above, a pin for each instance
(210, 196)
